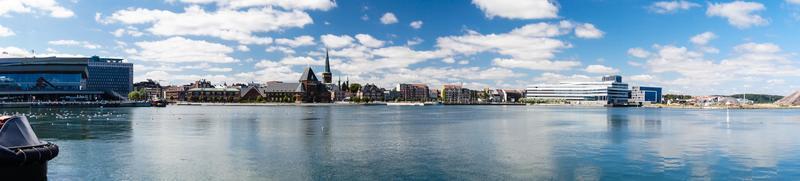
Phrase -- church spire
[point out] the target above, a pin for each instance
(327, 76)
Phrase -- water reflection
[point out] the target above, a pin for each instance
(423, 143)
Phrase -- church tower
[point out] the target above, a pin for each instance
(327, 77)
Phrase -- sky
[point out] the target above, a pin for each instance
(685, 46)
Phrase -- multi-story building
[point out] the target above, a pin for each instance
(371, 92)
(456, 94)
(110, 75)
(641, 94)
(505, 95)
(610, 91)
(213, 95)
(413, 92)
(283, 92)
(175, 93)
(64, 79)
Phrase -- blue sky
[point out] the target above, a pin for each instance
(689, 47)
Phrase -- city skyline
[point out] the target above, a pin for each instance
(688, 47)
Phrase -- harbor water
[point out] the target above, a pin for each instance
(418, 142)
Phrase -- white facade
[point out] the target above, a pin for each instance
(611, 92)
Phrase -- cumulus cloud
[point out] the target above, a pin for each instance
(551, 78)
(284, 50)
(416, 24)
(179, 50)
(369, 41)
(600, 69)
(588, 31)
(323, 5)
(84, 44)
(226, 24)
(5, 32)
(638, 52)
(243, 48)
(33, 6)
(664, 7)
(703, 38)
(739, 13)
(333, 41)
(512, 9)
(532, 46)
(388, 18)
(304, 40)
(130, 30)
(793, 1)
(301, 61)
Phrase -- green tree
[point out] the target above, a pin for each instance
(354, 87)
(134, 95)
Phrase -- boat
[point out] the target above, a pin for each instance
(158, 103)
(405, 104)
(22, 154)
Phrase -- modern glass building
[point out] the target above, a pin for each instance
(610, 91)
(63, 79)
(646, 94)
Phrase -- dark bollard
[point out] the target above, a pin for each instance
(22, 155)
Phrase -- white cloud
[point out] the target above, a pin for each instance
(132, 31)
(388, 18)
(369, 41)
(638, 52)
(793, 1)
(414, 41)
(449, 60)
(32, 6)
(285, 50)
(179, 49)
(416, 24)
(5, 32)
(226, 24)
(304, 40)
(600, 69)
(532, 46)
(550, 78)
(301, 61)
(664, 7)
(84, 44)
(739, 13)
(269, 71)
(757, 48)
(703, 38)
(243, 48)
(588, 31)
(12, 52)
(218, 69)
(642, 78)
(323, 5)
(333, 41)
(512, 9)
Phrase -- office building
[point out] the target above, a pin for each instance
(33, 79)
(642, 94)
(413, 92)
(610, 91)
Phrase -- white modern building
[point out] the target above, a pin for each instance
(611, 91)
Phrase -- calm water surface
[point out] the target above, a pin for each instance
(431, 142)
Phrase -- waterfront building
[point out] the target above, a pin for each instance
(276, 91)
(505, 95)
(313, 89)
(64, 79)
(391, 95)
(175, 93)
(110, 75)
(646, 95)
(611, 91)
(413, 92)
(213, 95)
(456, 94)
(252, 93)
(371, 92)
(151, 88)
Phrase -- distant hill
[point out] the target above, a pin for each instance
(791, 100)
(759, 98)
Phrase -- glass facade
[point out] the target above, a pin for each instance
(110, 76)
(42, 82)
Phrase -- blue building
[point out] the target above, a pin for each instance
(646, 94)
(64, 79)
